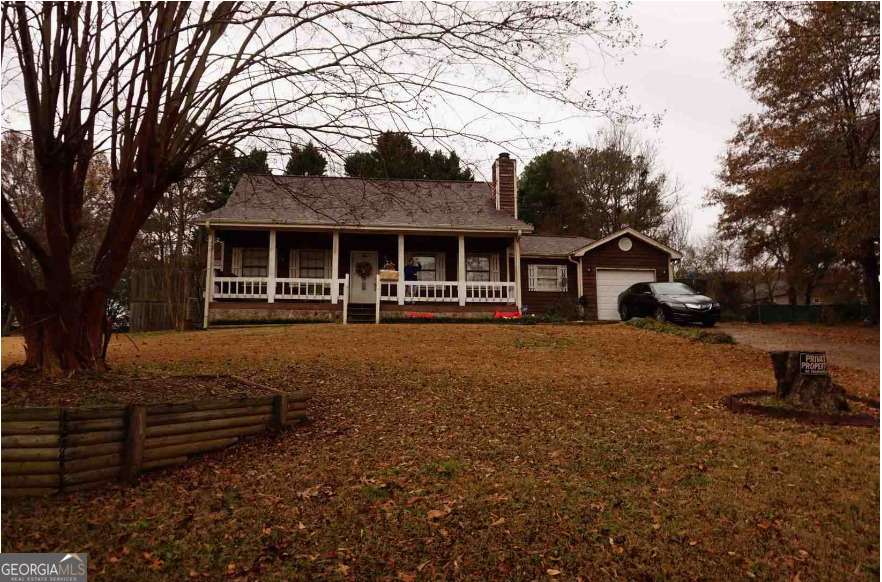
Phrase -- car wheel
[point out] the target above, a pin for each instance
(710, 323)
(660, 314)
(624, 312)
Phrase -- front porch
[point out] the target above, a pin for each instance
(289, 274)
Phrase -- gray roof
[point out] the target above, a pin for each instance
(552, 246)
(299, 200)
(762, 290)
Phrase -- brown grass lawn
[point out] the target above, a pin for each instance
(484, 452)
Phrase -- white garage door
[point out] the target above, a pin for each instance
(612, 282)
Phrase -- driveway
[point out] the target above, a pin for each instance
(850, 346)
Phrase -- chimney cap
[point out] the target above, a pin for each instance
(504, 155)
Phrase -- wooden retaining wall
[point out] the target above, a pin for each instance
(49, 450)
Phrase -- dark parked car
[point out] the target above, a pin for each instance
(674, 302)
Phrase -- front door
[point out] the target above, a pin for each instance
(363, 277)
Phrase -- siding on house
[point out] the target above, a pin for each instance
(538, 302)
(609, 255)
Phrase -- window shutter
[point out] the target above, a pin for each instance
(494, 267)
(219, 256)
(293, 263)
(562, 277)
(237, 261)
(531, 278)
(440, 267)
(329, 259)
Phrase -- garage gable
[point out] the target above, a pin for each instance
(631, 234)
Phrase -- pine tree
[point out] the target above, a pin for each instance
(306, 161)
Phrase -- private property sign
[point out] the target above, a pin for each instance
(813, 363)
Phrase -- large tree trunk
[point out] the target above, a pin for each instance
(870, 266)
(63, 337)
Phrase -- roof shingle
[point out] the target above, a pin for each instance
(299, 200)
(552, 246)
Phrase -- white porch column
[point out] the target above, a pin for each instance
(401, 269)
(271, 269)
(209, 276)
(517, 262)
(335, 267)
(461, 270)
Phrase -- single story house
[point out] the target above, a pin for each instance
(292, 248)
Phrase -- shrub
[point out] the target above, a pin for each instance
(563, 308)
(690, 333)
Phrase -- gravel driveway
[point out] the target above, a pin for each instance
(846, 346)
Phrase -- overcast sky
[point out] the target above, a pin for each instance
(686, 79)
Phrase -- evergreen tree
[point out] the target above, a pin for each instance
(306, 161)
(396, 157)
(225, 171)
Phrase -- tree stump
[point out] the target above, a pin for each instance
(803, 379)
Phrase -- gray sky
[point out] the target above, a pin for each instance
(686, 80)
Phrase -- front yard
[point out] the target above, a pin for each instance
(484, 452)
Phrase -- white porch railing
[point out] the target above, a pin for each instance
(388, 290)
(486, 292)
(310, 289)
(431, 291)
(240, 287)
(286, 288)
(320, 290)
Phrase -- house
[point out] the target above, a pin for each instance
(761, 294)
(292, 248)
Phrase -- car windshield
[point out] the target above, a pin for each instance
(671, 289)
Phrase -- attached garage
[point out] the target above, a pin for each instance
(611, 282)
(612, 264)
(596, 270)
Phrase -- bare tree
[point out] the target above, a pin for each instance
(159, 87)
(675, 230)
(623, 183)
(167, 243)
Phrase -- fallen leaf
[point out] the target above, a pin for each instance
(499, 521)
(553, 572)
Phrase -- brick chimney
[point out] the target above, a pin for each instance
(505, 191)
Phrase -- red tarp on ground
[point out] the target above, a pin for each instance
(504, 315)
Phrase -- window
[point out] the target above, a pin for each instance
(312, 264)
(625, 244)
(547, 278)
(477, 267)
(255, 262)
(429, 270)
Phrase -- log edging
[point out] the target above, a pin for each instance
(50, 450)
(736, 404)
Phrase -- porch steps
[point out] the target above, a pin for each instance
(362, 313)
